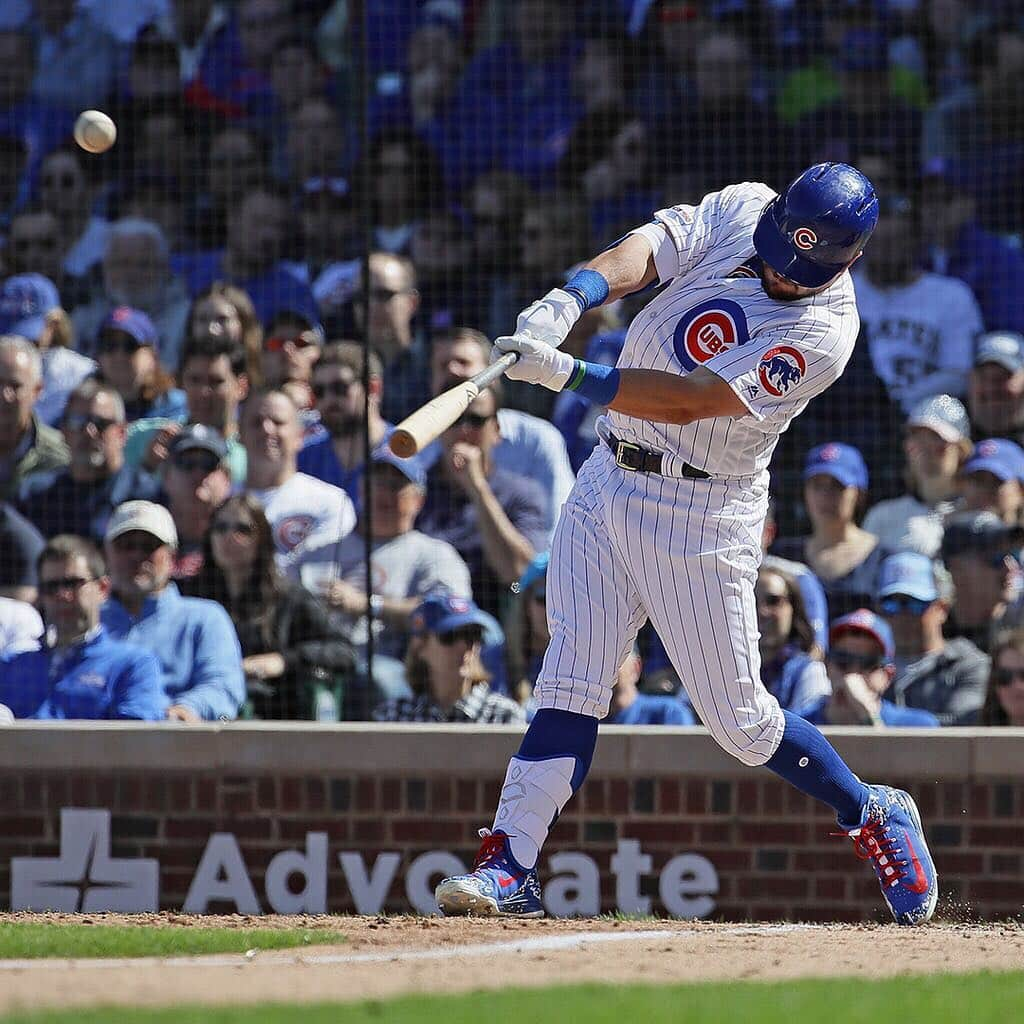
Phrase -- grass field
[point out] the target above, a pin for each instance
(27, 941)
(932, 999)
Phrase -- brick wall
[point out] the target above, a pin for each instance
(769, 844)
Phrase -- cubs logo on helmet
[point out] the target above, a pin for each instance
(804, 238)
(780, 368)
(293, 530)
(707, 329)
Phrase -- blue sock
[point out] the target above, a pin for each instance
(555, 733)
(808, 761)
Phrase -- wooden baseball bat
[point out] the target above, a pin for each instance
(418, 429)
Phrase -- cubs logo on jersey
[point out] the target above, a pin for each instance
(293, 530)
(780, 368)
(707, 329)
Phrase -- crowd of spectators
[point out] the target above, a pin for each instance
(197, 383)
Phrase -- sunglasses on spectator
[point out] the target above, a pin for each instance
(468, 635)
(336, 186)
(772, 600)
(66, 180)
(334, 388)
(118, 343)
(82, 421)
(847, 661)
(473, 420)
(278, 342)
(48, 244)
(71, 583)
(245, 529)
(893, 604)
(384, 295)
(1000, 676)
(190, 462)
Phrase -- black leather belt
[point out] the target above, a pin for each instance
(640, 460)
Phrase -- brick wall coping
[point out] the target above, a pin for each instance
(269, 748)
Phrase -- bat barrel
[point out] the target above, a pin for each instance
(417, 430)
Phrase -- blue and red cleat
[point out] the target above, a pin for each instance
(890, 836)
(496, 887)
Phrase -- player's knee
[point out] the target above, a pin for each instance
(751, 756)
(752, 743)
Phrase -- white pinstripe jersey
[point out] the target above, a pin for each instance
(775, 355)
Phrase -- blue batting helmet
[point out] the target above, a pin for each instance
(818, 224)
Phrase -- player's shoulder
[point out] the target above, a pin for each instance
(731, 199)
(748, 192)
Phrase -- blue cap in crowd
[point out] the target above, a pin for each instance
(943, 414)
(132, 322)
(25, 301)
(868, 623)
(997, 455)
(910, 573)
(1003, 347)
(444, 613)
(534, 571)
(412, 469)
(840, 461)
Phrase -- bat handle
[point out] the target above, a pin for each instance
(495, 370)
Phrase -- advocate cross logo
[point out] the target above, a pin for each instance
(84, 878)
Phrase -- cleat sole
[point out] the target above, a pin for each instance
(456, 899)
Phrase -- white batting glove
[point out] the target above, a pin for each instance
(538, 362)
(550, 319)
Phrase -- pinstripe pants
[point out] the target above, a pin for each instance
(631, 546)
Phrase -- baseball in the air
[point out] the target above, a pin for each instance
(94, 131)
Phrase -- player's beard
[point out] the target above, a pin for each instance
(769, 287)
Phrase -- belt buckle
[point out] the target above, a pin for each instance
(629, 456)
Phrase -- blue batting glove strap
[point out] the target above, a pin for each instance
(588, 287)
(594, 381)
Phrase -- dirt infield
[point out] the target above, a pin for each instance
(390, 956)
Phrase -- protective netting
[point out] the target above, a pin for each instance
(471, 154)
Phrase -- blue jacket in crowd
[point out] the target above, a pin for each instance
(653, 709)
(96, 678)
(196, 645)
(891, 714)
(795, 680)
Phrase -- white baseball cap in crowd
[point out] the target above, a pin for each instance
(943, 414)
(146, 516)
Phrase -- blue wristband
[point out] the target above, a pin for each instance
(594, 381)
(588, 287)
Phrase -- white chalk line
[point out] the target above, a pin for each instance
(539, 944)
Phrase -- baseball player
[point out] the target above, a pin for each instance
(757, 317)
